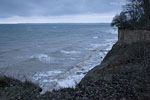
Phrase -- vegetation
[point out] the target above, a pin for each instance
(12, 89)
(135, 15)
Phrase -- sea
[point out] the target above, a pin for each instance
(56, 55)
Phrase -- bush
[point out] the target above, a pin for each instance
(136, 15)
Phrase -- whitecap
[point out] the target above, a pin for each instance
(69, 52)
(57, 79)
(95, 37)
(94, 46)
(43, 75)
(41, 57)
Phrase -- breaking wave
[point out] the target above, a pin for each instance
(69, 52)
(57, 79)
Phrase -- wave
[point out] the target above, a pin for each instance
(41, 57)
(57, 79)
(95, 46)
(95, 37)
(69, 52)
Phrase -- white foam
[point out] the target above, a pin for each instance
(42, 76)
(41, 57)
(94, 46)
(48, 73)
(69, 52)
(57, 79)
(68, 78)
(95, 37)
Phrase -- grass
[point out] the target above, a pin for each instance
(12, 89)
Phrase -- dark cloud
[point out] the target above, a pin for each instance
(9, 8)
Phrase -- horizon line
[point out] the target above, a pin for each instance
(63, 23)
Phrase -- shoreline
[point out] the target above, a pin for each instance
(72, 76)
(114, 81)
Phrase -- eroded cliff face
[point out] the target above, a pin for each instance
(121, 58)
(126, 67)
(130, 36)
(129, 52)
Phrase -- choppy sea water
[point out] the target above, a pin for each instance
(53, 55)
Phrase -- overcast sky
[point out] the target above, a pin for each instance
(58, 11)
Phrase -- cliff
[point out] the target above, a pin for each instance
(130, 36)
(131, 46)
(121, 58)
(126, 67)
(125, 71)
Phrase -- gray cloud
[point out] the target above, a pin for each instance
(26, 8)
